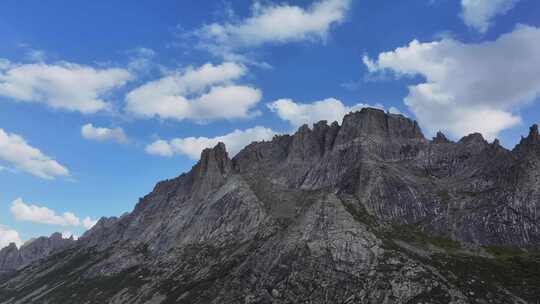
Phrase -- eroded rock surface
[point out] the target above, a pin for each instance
(13, 258)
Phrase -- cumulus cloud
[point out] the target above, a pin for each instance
(468, 87)
(479, 13)
(43, 215)
(69, 234)
(90, 132)
(36, 55)
(8, 236)
(17, 152)
(329, 109)
(141, 60)
(200, 94)
(88, 223)
(273, 23)
(4, 64)
(65, 86)
(193, 146)
(163, 148)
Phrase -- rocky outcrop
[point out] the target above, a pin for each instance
(10, 259)
(368, 211)
(13, 258)
(440, 138)
(529, 144)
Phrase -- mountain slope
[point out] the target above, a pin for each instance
(368, 211)
(13, 258)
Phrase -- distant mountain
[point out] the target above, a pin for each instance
(13, 258)
(369, 211)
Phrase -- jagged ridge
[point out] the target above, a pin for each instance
(354, 213)
(13, 258)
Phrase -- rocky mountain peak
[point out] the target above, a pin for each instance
(375, 123)
(12, 258)
(534, 135)
(309, 216)
(440, 138)
(308, 143)
(56, 236)
(212, 169)
(214, 161)
(531, 143)
(304, 129)
(10, 247)
(9, 256)
(321, 125)
(473, 138)
(534, 130)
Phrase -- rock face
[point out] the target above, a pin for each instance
(13, 258)
(368, 211)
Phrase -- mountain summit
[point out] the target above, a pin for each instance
(369, 211)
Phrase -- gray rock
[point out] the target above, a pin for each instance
(13, 258)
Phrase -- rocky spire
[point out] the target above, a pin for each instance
(10, 257)
(307, 143)
(531, 143)
(214, 161)
(211, 169)
(304, 144)
(534, 135)
(440, 138)
(330, 135)
(473, 138)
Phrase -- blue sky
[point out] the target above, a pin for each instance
(100, 99)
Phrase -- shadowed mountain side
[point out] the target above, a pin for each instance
(13, 258)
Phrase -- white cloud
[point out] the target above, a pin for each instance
(140, 60)
(193, 146)
(479, 13)
(17, 152)
(8, 236)
(90, 132)
(202, 94)
(43, 215)
(468, 87)
(36, 55)
(161, 148)
(4, 64)
(395, 110)
(65, 86)
(88, 223)
(69, 234)
(273, 23)
(329, 109)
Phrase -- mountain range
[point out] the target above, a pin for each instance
(366, 211)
